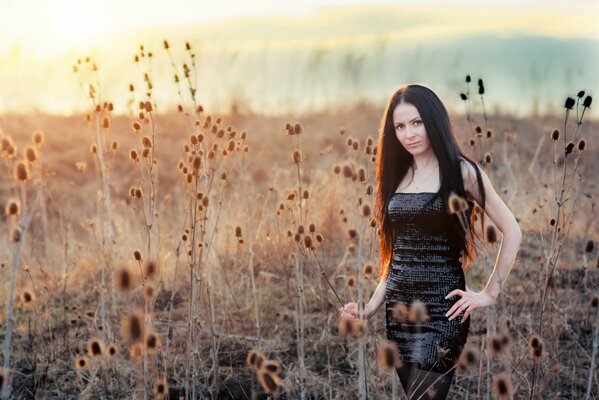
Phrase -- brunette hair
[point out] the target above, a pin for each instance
(393, 162)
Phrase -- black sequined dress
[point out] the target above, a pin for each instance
(425, 266)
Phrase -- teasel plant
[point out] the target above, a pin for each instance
(19, 214)
(187, 74)
(205, 170)
(99, 123)
(564, 179)
(145, 158)
(476, 130)
(295, 131)
(563, 195)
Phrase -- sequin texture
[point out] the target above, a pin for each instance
(425, 266)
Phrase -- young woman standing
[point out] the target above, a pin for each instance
(425, 248)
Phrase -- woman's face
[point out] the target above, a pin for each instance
(410, 130)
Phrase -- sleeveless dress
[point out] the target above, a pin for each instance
(425, 266)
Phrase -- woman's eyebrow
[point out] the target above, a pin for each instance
(413, 119)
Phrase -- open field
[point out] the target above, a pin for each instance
(223, 272)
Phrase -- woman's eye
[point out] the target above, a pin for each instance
(417, 122)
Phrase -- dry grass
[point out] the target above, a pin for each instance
(240, 294)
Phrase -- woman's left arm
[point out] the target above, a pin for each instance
(506, 223)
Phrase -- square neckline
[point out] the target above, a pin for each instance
(417, 192)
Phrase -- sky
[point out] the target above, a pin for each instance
(47, 28)
(263, 52)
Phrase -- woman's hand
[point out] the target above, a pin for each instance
(351, 310)
(470, 300)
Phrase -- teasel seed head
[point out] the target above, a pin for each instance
(502, 386)
(569, 147)
(401, 312)
(30, 154)
(456, 203)
(152, 341)
(149, 291)
(305, 194)
(13, 208)
(21, 173)
(536, 347)
(151, 269)
(366, 210)
(587, 102)
(496, 345)
(590, 246)
(491, 234)
(336, 169)
(350, 281)
(312, 228)
(146, 142)
(255, 359)
(124, 279)
(297, 129)
(272, 366)
(133, 327)
(368, 270)
(358, 327)
(81, 362)
(481, 87)
(581, 144)
(569, 103)
(488, 158)
(27, 297)
(112, 350)
(471, 142)
(308, 242)
(136, 351)
(93, 149)
(133, 155)
(418, 313)
(296, 157)
(468, 357)
(15, 235)
(319, 238)
(95, 347)
(269, 381)
(160, 389)
(463, 96)
(388, 356)
(555, 135)
(105, 123)
(345, 325)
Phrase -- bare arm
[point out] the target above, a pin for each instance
(503, 218)
(505, 222)
(377, 299)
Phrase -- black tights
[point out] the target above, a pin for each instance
(422, 384)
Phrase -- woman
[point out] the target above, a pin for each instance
(425, 248)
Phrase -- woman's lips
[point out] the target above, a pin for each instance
(412, 144)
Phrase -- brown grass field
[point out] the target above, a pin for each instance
(226, 266)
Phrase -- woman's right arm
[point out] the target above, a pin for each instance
(377, 298)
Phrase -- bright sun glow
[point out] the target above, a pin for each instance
(74, 22)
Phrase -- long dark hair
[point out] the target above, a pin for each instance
(393, 162)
